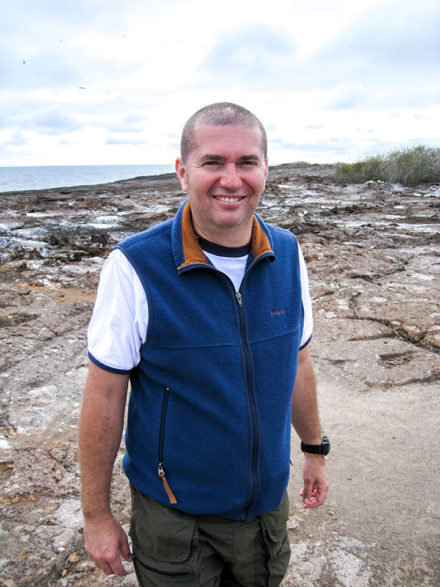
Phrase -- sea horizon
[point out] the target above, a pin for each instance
(39, 177)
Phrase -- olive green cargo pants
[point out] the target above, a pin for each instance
(172, 548)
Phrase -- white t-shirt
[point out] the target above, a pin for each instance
(118, 327)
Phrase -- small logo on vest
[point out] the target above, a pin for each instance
(278, 312)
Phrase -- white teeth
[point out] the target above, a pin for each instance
(227, 200)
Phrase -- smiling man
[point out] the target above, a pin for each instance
(224, 175)
(208, 315)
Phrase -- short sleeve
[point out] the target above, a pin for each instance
(306, 301)
(119, 321)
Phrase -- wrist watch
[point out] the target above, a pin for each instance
(317, 449)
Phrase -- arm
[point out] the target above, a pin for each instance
(100, 431)
(305, 420)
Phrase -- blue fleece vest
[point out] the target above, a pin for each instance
(208, 427)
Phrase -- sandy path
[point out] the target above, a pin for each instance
(380, 524)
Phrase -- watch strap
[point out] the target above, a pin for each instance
(317, 449)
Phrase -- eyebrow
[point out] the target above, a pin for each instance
(208, 157)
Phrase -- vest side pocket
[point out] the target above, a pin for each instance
(160, 466)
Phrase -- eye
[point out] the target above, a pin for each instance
(211, 163)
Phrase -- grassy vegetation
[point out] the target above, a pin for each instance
(408, 167)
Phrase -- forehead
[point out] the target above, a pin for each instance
(228, 140)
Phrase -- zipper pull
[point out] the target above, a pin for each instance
(169, 492)
(239, 299)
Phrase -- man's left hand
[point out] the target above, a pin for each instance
(316, 483)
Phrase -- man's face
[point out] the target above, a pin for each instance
(224, 176)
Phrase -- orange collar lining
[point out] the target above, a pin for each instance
(193, 253)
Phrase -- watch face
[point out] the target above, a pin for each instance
(325, 445)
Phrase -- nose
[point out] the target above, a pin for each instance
(230, 178)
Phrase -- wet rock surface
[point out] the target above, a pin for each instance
(374, 265)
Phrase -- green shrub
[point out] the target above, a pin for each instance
(408, 167)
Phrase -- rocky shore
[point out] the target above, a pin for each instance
(374, 264)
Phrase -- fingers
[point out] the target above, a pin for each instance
(315, 499)
(105, 567)
(114, 567)
(110, 566)
(316, 483)
(105, 543)
(125, 550)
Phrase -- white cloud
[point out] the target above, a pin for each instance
(100, 81)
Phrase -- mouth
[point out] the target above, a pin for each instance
(229, 199)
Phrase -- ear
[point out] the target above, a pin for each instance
(181, 173)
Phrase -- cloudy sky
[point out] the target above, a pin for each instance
(113, 81)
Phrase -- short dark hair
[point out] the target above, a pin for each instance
(221, 114)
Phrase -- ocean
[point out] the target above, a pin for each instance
(43, 177)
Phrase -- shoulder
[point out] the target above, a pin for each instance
(281, 232)
(148, 237)
(281, 237)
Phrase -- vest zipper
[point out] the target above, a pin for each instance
(254, 420)
(255, 441)
(160, 466)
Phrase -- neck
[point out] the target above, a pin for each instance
(221, 250)
(234, 236)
